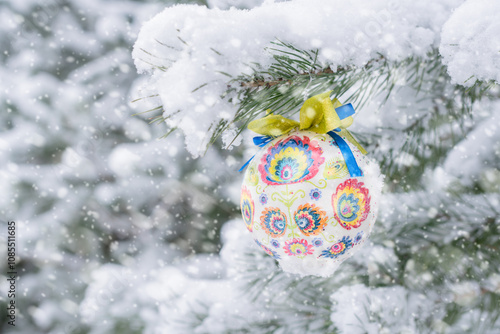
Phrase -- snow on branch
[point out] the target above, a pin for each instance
(192, 52)
(470, 45)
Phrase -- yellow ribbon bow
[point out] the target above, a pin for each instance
(318, 114)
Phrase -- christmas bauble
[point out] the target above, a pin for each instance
(302, 206)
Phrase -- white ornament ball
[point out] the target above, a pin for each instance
(303, 208)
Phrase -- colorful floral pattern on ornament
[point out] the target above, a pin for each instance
(252, 176)
(273, 221)
(291, 160)
(268, 250)
(338, 248)
(335, 169)
(298, 247)
(351, 203)
(247, 208)
(315, 194)
(298, 159)
(310, 219)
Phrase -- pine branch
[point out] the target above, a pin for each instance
(296, 75)
(280, 81)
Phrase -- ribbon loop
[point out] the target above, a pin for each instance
(273, 125)
(261, 141)
(318, 114)
(345, 111)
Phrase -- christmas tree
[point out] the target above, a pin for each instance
(69, 171)
(122, 233)
(423, 82)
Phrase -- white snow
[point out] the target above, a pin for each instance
(359, 309)
(470, 45)
(190, 50)
(465, 293)
(469, 157)
(108, 217)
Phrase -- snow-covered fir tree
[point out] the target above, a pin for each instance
(121, 232)
(90, 185)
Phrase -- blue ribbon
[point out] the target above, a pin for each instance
(343, 111)
(350, 160)
(260, 141)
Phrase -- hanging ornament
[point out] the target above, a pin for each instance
(309, 196)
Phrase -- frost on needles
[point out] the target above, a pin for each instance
(200, 59)
(428, 103)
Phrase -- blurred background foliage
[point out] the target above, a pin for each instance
(86, 182)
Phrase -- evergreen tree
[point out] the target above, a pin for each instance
(433, 263)
(87, 183)
(119, 232)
